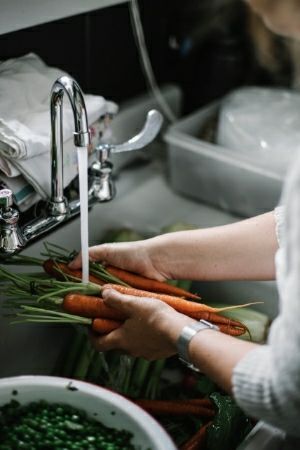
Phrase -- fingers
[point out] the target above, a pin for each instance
(96, 253)
(124, 303)
(115, 340)
(107, 342)
(131, 305)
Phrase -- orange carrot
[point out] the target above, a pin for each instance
(89, 306)
(147, 284)
(58, 270)
(204, 401)
(184, 306)
(217, 319)
(94, 307)
(197, 441)
(104, 326)
(232, 331)
(236, 328)
(113, 324)
(164, 407)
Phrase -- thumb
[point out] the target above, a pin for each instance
(123, 303)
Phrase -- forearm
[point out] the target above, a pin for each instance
(239, 251)
(215, 353)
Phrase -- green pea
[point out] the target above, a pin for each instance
(42, 426)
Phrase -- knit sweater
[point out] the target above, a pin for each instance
(266, 382)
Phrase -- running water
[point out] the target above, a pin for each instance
(82, 156)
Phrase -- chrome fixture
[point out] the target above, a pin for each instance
(58, 210)
(58, 204)
(11, 239)
(103, 187)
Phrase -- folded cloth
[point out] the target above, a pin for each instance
(29, 179)
(24, 194)
(25, 86)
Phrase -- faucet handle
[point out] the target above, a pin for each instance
(150, 130)
(6, 199)
(11, 239)
(103, 188)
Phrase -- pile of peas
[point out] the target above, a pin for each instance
(44, 426)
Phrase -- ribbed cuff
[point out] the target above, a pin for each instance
(251, 378)
(279, 213)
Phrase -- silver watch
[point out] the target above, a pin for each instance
(186, 335)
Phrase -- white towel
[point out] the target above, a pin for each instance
(29, 178)
(25, 86)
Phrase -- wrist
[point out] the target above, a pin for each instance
(161, 254)
(185, 339)
(172, 326)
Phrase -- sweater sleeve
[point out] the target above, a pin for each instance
(266, 382)
(279, 214)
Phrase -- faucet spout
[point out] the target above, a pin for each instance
(64, 85)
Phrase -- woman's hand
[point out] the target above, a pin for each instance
(153, 328)
(132, 256)
(150, 332)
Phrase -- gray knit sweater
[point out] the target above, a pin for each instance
(266, 382)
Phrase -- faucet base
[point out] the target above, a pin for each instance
(58, 208)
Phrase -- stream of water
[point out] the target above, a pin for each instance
(82, 155)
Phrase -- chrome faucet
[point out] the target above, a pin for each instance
(58, 210)
(58, 204)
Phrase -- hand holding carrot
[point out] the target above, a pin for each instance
(132, 256)
(150, 331)
(229, 252)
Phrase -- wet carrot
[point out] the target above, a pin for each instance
(232, 331)
(197, 441)
(147, 284)
(89, 306)
(94, 307)
(58, 269)
(225, 324)
(105, 326)
(184, 306)
(218, 319)
(175, 408)
(206, 402)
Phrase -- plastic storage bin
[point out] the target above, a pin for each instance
(216, 175)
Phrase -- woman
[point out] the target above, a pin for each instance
(264, 379)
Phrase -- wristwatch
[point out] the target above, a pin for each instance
(186, 335)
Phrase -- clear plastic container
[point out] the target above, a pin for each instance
(216, 175)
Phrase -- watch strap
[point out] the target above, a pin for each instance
(186, 335)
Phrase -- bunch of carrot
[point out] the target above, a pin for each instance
(105, 319)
